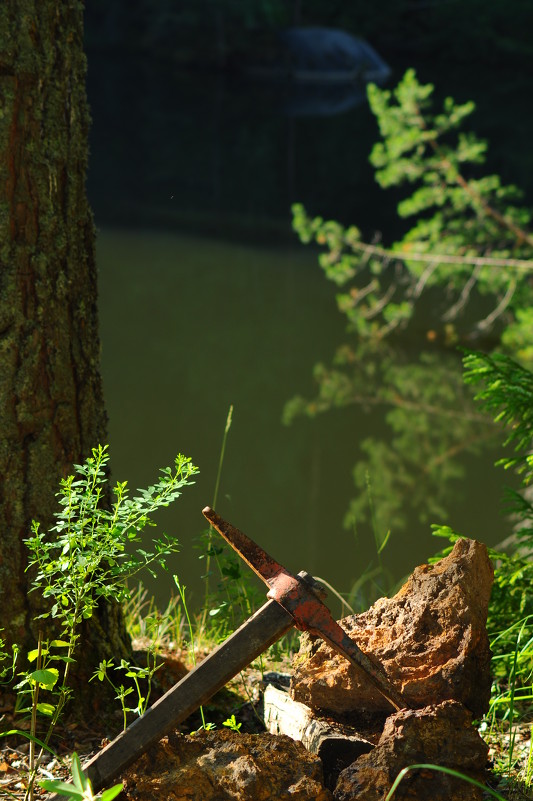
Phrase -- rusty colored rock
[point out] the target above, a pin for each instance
(226, 766)
(441, 734)
(430, 639)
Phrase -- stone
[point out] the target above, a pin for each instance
(430, 639)
(226, 766)
(336, 745)
(440, 734)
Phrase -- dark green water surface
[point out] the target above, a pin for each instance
(190, 326)
(207, 300)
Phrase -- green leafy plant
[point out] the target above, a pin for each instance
(231, 723)
(11, 659)
(81, 788)
(505, 390)
(469, 252)
(84, 559)
(470, 238)
(140, 677)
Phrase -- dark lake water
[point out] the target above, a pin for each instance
(207, 300)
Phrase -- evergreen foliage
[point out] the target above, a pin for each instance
(505, 389)
(470, 239)
(470, 254)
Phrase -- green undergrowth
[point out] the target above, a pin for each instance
(504, 389)
(93, 552)
(85, 559)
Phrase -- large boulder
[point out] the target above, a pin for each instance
(226, 766)
(430, 639)
(441, 734)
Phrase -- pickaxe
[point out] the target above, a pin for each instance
(294, 601)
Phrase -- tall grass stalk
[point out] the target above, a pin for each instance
(346, 608)
(427, 766)
(181, 589)
(512, 730)
(529, 766)
(214, 506)
(376, 579)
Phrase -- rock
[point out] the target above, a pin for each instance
(224, 766)
(336, 745)
(430, 639)
(441, 734)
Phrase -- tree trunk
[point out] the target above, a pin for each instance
(51, 402)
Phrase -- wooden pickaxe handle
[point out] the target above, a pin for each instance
(260, 631)
(294, 602)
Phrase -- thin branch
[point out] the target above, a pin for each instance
(377, 307)
(456, 449)
(402, 403)
(394, 323)
(360, 294)
(424, 278)
(482, 261)
(483, 325)
(459, 305)
(521, 235)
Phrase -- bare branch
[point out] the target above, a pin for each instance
(459, 305)
(424, 278)
(377, 307)
(357, 295)
(483, 325)
(525, 265)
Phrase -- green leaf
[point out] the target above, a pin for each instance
(46, 709)
(62, 788)
(46, 677)
(28, 736)
(80, 779)
(111, 793)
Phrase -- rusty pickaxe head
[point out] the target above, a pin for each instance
(294, 600)
(301, 596)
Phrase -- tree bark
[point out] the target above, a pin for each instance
(51, 402)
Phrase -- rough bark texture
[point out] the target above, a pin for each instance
(430, 639)
(51, 404)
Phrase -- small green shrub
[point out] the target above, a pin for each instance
(81, 788)
(87, 557)
(470, 239)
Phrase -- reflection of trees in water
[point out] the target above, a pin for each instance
(461, 273)
(431, 420)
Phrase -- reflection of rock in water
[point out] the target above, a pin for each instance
(326, 54)
(324, 70)
(322, 100)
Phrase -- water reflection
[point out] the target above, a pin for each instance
(190, 326)
(418, 466)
